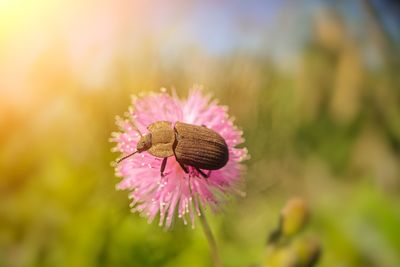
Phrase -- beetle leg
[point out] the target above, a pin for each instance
(183, 167)
(202, 173)
(163, 164)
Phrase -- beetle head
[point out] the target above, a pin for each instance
(144, 143)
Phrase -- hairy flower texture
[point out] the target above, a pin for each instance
(153, 194)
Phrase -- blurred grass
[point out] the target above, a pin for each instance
(328, 129)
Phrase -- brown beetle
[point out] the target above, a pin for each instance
(192, 145)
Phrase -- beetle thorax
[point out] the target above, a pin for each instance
(144, 143)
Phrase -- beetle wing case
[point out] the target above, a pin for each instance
(200, 147)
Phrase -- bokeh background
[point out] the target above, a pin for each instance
(315, 86)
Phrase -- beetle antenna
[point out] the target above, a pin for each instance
(137, 129)
(132, 117)
(125, 157)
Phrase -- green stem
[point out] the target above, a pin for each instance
(211, 240)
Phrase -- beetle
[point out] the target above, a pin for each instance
(192, 145)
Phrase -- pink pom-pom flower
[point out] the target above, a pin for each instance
(176, 191)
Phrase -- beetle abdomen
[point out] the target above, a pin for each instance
(200, 147)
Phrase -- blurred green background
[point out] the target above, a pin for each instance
(314, 85)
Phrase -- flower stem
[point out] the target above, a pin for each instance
(211, 240)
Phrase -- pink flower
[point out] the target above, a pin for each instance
(153, 194)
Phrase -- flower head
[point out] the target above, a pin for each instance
(176, 191)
